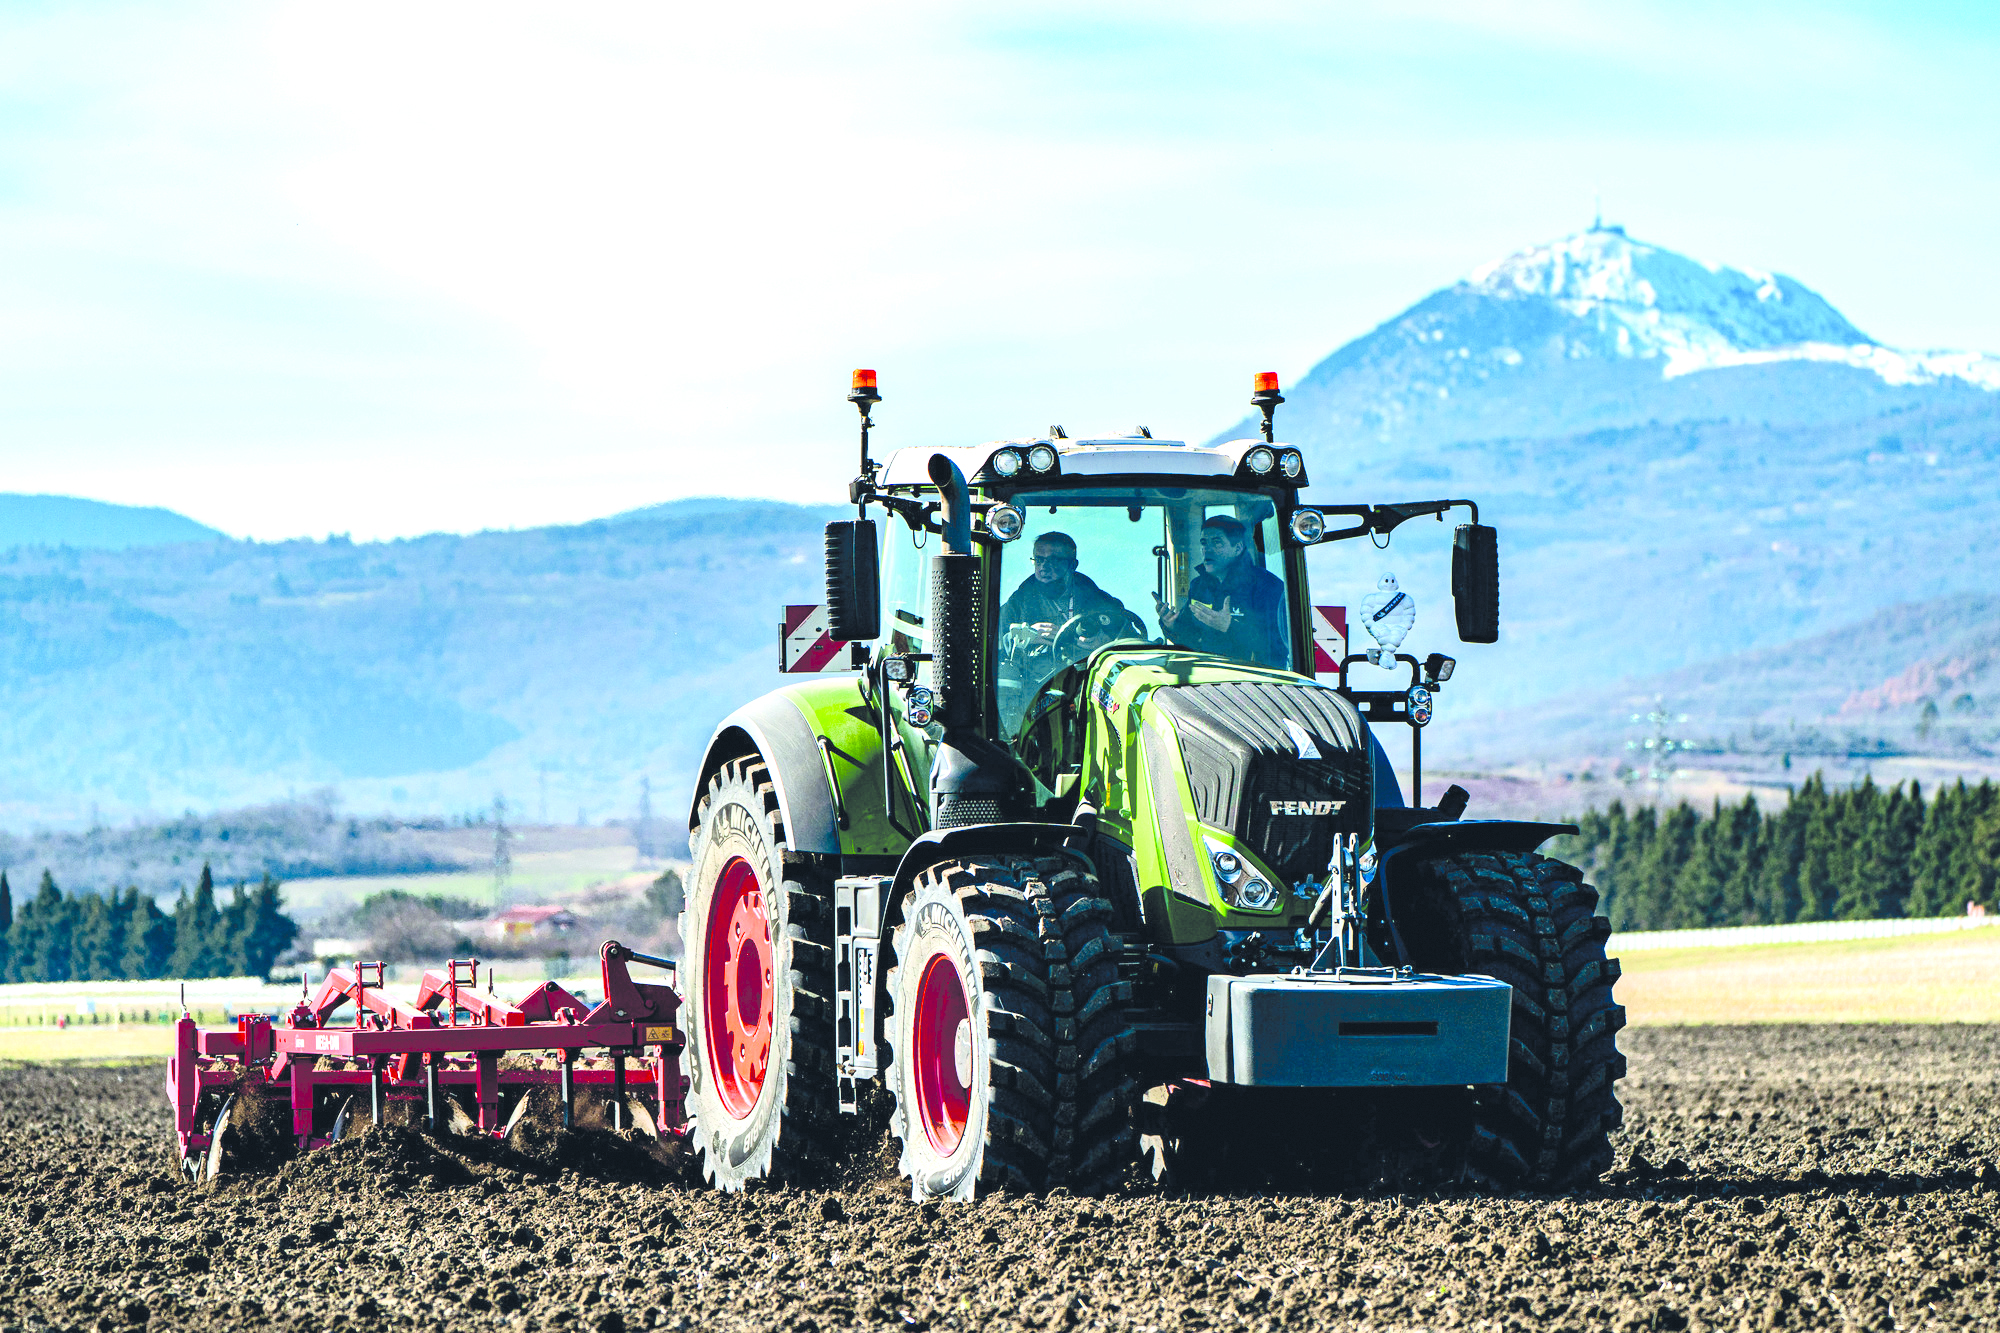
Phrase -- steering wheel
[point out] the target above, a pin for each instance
(1105, 623)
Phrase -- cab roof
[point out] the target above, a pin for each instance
(1114, 456)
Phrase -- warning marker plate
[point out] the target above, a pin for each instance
(803, 643)
(1329, 639)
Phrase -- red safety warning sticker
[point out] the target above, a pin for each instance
(804, 644)
(1329, 638)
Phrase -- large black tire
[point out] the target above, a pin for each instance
(1097, 1088)
(1028, 1089)
(759, 1047)
(1530, 922)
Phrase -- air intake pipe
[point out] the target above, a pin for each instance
(974, 780)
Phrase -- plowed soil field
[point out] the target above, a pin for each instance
(1769, 1177)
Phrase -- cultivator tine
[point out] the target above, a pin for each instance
(566, 1088)
(216, 1136)
(515, 1117)
(340, 1121)
(618, 1115)
(375, 1092)
(431, 1092)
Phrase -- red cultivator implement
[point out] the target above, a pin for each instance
(394, 1057)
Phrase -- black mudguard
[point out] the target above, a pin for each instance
(1018, 838)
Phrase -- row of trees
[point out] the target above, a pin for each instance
(126, 937)
(1856, 854)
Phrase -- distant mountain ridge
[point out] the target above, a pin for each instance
(1599, 331)
(418, 675)
(65, 520)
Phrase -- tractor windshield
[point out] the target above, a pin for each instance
(1202, 568)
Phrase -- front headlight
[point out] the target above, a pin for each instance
(1291, 462)
(1260, 460)
(1041, 458)
(1258, 894)
(1419, 704)
(1004, 522)
(1004, 463)
(1228, 867)
(920, 707)
(1308, 526)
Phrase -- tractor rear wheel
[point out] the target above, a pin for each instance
(1009, 1051)
(1530, 922)
(757, 965)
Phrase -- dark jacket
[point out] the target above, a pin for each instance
(1031, 603)
(1257, 631)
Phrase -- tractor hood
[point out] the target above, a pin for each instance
(1201, 754)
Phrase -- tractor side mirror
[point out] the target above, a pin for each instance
(853, 583)
(1475, 582)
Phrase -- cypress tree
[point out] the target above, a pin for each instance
(1930, 859)
(96, 950)
(1986, 854)
(1902, 826)
(1624, 868)
(6, 925)
(1695, 899)
(1781, 850)
(1660, 866)
(232, 935)
(148, 939)
(1816, 845)
(1745, 864)
(1851, 867)
(195, 921)
(42, 933)
(268, 931)
(1974, 863)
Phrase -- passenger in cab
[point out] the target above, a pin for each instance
(1234, 606)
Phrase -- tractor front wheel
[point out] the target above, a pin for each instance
(757, 964)
(1008, 1044)
(1530, 922)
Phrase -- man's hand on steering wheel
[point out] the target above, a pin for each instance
(1088, 629)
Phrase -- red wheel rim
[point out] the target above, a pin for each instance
(941, 1055)
(738, 998)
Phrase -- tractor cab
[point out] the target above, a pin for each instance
(1083, 543)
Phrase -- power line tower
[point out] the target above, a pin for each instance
(642, 834)
(1656, 750)
(503, 854)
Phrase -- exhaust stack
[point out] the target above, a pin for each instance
(974, 780)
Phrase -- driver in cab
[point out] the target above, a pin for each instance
(1053, 596)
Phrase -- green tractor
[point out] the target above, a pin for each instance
(1089, 859)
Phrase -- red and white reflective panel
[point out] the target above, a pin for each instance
(803, 643)
(1329, 638)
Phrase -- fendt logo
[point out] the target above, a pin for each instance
(1306, 807)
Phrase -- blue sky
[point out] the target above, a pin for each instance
(386, 269)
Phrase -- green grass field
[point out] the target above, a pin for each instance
(1907, 979)
(1953, 978)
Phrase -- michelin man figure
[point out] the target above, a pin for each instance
(1387, 614)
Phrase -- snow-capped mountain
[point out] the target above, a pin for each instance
(1686, 462)
(1645, 303)
(1599, 330)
